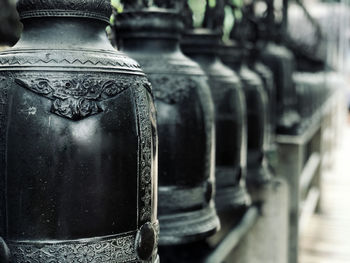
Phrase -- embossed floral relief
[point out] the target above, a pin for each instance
(101, 6)
(172, 90)
(146, 154)
(77, 97)
(118, 249)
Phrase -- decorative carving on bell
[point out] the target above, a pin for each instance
(150, 32)
(202, 44)
(78, 142)
(235, 55)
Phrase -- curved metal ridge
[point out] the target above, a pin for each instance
(170, 66)
(192, 225)
(67, 58)
(97, 9)
(62, 13)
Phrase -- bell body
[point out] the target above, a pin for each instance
(185, 117)
(267, 78)
(78, 143)
(230, 115)
(257, 115)
(281, 62)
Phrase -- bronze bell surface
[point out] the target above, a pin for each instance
(149, 33)
(202, 44)
(78, 142)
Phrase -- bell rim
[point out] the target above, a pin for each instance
(183, 229)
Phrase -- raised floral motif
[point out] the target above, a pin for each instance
(145, 130)
(87, 8)
(117, 249)
(77, 97)
(172, 90)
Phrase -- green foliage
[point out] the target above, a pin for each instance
(233, 13)
(198, 9)
(117, 5)
(228, 23)
(212, 3)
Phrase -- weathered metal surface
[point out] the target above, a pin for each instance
(78, 141)
(150, 34)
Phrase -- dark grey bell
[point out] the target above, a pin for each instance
(185, 115)
(231, 140)
(281, 62)
(78, 142)
(9, 23)
(267, 78)
(257, 111)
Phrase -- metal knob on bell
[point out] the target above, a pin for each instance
(78, 142)
(150, 33)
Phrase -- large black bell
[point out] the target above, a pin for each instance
(185, 115)
(78, 142)
(201, 45)
(235, 56)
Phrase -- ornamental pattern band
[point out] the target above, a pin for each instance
(100, 9)
(108, 250)
(145, 163)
